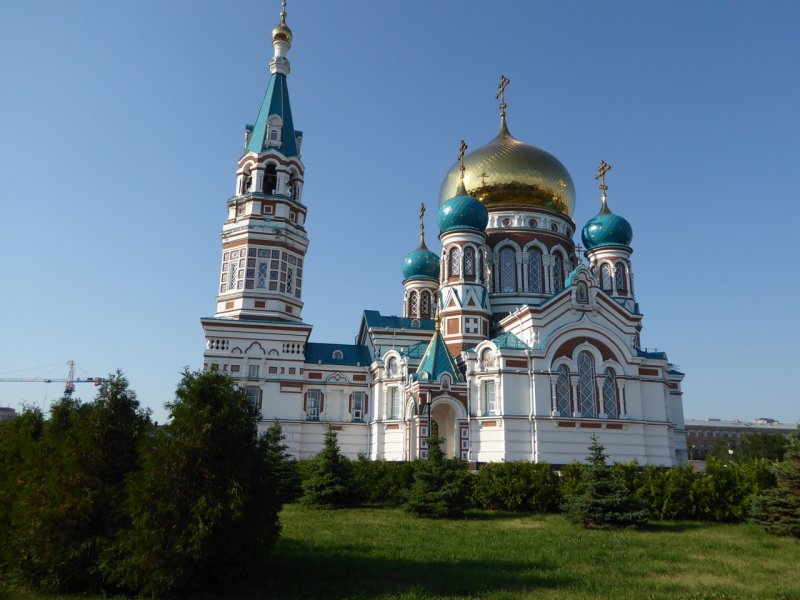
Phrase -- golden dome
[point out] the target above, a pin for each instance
(282, 31)
(508, 173)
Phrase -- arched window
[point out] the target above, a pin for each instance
(487, 360)
(562, 391)
(391, 367)
(610, 394)
(270, 179)
(586, 395)
(507, 268)
(412, 304)
(582, 293)
(337, 355)
(535, 272)
(425, 304)
(469, 261)
(273, 135)
(620, 278)
(247, 183)
(455, 262)
(558, 274)
(605, 277)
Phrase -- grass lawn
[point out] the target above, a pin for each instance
(385, 553)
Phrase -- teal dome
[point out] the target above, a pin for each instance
(462, 212)
(606, 229)
(421, 264)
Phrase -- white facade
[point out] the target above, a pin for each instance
(551, 358)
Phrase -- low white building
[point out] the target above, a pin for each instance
(512, 345)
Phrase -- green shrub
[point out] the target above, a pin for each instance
(778, 509)
(517, 487)
(571, 479)
(383, 482)
(441, 486)
(669, 493)
(331, 483)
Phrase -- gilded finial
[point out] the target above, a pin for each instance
(601, 175)
(283, 12)
(437, 320)
(501, 94)
(422, 225)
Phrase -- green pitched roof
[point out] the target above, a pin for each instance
(437, 360)
(276, 102)
(508, 341)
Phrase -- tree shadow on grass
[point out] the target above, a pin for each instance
(673, 526)
(300, 570)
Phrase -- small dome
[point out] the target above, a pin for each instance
(282, 32)
(462, 212)
(421, 264)
(606, 229)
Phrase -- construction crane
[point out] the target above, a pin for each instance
(69, 382)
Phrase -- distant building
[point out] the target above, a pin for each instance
(703, 435)
(7, 413)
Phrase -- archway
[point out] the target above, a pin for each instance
(444, 415)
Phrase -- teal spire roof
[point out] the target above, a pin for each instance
(437, 360)
(462, 212)
(421, 264)
(276, 102)
(606, 229)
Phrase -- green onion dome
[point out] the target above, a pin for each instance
(421, 264)
(606, 229)
(462, 212)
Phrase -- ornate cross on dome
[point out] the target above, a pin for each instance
(601, 174)
(483, 177)
(422, 223)
(501, 94)
(461, 150)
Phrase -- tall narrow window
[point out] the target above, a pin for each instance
(312, 405)
(469, 261)
(270, 179)
(232, 271)
(489, 398)
(487, 359)
(412, 304)
(358, 406)
(455, 262)
(425, 305)
(610, 395)
(394, 402)
(252, 395)
(620, 278)
(481, 267)
(586, 395)
(507, 267)
(391, 368)
(563, 391)
(558, 274)
(535, 272)
(582, 293)
(263, 271)
(605, 277)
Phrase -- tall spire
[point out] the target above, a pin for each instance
(601, 175)
(422, 245)
(501, 95)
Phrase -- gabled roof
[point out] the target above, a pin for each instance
(415, 350)
(352, 355)
(509, 341)
(276, 102)
(436, 361)
(376, 319)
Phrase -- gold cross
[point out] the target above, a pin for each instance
(461, 150)
(501, 93)
(421, 223)
(601, 174)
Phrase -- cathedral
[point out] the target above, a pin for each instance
(514, 343)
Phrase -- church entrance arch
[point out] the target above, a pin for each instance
(445, 412)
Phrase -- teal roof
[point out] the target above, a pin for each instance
(415, 350)
(606, 229)
(421, 264)
(436, 361)
(276, 102)
(463, 212)
(571, 276)
(352, 355)
(376, 319)
(508, 341)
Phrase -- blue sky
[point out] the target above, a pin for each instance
(121, 124)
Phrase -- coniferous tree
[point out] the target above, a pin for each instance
(603, 499)
(69, 510)
(204, 508)
(331, 483)
(441, 486)
(778, 509)
(287, 475)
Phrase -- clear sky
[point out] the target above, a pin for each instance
(121, 123)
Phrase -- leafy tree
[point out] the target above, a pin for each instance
(441, 487)
(778, 509)
(517, 486)
(285, 467)
(382, 481)
(766, 445)
(70, 509)
(331, 483)
(605, 500)
(204, 508)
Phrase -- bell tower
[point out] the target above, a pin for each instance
(264, 239)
